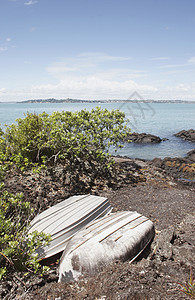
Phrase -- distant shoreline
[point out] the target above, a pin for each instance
(68, 100)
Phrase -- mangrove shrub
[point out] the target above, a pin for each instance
(75, 137)
(17, 247)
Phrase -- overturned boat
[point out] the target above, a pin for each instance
(122, 235)
(66, 218)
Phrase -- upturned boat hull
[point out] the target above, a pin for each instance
(121, 235)
(66, 218)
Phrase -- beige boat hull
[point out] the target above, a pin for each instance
(121, 235)
(66, 218)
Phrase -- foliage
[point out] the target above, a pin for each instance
(80, 140)
(2, 155)
(189, 287)
(17, 247)
(75, 137)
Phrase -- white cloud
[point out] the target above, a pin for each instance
(121, 74)
(101, 57)
(85, 63)
(30, 2)
(160, 58)
(173, 66)
(89, 76)
(192, 60)
(91, 87)
(174, 71)
(6, 45)
(179, 91)
(101, 76)
(86, 87)
(95, 88)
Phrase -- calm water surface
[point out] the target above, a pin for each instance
(161, 119)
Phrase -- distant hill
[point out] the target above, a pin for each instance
(68, 100)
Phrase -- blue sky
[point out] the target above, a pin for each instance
(97, 49)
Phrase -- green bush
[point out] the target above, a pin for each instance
(80, 140)
(75, 137)
(17, 247)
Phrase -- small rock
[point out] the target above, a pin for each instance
(171, 183)
(162, 246)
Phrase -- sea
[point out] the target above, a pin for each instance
(161, 119)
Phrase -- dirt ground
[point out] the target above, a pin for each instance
(157, 272)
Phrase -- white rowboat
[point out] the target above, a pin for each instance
(66, 218)
(121, 235)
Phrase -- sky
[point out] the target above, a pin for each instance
(97, 49)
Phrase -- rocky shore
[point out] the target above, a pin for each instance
(187, 135)
(153, 188)
(181, 169)
(147, 138)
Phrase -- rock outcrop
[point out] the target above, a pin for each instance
(182, 169)
(188, 135)
(143, 138)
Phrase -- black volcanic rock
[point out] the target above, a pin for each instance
(179, 168)
(188, 135)
(143, 138)
(191, 155)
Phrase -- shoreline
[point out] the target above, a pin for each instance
(68, 100)
(101, 101)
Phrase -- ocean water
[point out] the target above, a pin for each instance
(162, 119)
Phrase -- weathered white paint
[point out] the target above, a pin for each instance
(64, 219)
(121, 235)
